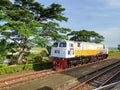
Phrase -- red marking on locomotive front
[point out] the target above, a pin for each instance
(59, 64)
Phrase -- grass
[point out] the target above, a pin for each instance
(2, 65)
(114, 53)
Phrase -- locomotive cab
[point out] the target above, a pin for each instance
(63, 49)
(60, 52)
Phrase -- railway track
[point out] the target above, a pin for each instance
(100, 79)
(7, 82)
(10, 81)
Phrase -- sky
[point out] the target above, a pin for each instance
(101, 16)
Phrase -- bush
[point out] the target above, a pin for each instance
(114, 53)
(43, 53)
(28, 67)
(33, 58)
(2, 65)
(42, 65)
(18, 68)
(11, 69)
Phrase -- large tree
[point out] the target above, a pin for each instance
(86, 36)
(27, 22)
(3, 51)
(118, 47)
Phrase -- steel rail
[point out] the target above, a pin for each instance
(98, 75)
(6, 82)
(23, 78)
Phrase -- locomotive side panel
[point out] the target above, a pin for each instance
(88, 49)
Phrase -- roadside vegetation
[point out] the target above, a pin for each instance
(17, 68)
(37, 59)
(114, 52)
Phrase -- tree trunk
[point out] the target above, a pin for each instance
(21, 54)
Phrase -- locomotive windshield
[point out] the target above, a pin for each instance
(62, 44)
(55, 44)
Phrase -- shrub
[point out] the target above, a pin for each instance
(2, 65)
(28, 67)
(114, 53)
(42, 65)
(18, 68)
(11, 69)
(43, 53)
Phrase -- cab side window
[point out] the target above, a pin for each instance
(78, 44)
(71, 45)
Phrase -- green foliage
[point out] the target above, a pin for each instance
(11, 69)
(43, 53)
(18, 68)
(41, 42)
(28, 67)
(14, 57)
(118, 47)
(33, 58)
(3, 49)
(114, 53)
(37, 58)
(3, 65)
(86, 36)
(26, 18)
(42, 65)
(53, 31)
(2, 57)
(49, 50)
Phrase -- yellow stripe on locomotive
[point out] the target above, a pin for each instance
(87, 52)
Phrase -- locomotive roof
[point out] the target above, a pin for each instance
(81, 42)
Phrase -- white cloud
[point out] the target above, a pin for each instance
(112, 36)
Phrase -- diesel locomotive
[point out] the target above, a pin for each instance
(68, 53)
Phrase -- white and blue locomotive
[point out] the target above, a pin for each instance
(67, 53)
